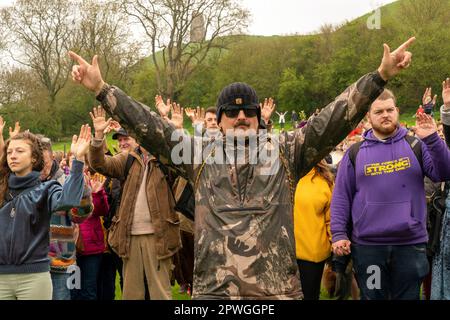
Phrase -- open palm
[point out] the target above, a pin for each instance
(199, 116)
(80, 144)
(97, 182)
(98, 116)
(16, 131)
(446, 93)
(425, 126)
(267, 109)
(428, 97)
(2, 124)
(177, 116)
(163, 108)
(190, 113)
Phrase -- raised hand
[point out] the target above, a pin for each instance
(199, 117)
(101, 125)
(177, 116)
(196, 115)
(267, 109)
(446, 93)
(163, 108)
(190, 112)
(114, 125)
(16, 131)
(86, 74)
(2, 125)
(396, 61)
(425, 126)
(80, 144)
(428, 97)
(2, 141)
(97, 182)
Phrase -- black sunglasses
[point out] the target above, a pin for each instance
(233, 111)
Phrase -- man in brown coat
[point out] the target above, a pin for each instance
(145, 230)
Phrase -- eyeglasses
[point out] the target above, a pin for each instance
(233, 111)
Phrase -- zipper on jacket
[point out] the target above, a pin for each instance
(241, 199)
(237, 177)
(12, 214)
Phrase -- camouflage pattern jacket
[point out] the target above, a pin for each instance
(244, 234)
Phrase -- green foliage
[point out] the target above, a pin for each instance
(299, 72)
(291, 94)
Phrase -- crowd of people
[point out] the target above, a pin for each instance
(342, 202)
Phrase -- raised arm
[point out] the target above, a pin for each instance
(326, 130)
(153, 133)
(267, 109)
(445, 110)
(2, 140)
(71, 193)
(113, 167)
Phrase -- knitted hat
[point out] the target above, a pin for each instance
(237, 94)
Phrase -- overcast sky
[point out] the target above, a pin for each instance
(281, 17)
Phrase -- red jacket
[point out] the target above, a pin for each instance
(91, 230)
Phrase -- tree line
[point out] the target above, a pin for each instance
(188, 50)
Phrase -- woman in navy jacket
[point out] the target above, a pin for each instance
(26, 205)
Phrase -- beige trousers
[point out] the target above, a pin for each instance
(142, 260)
(28, 286)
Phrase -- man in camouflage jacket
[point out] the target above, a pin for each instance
(245, 245)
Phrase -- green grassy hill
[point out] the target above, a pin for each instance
(306, 72)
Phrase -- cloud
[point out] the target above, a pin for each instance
(281, 17)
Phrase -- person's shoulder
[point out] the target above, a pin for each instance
(49, 185)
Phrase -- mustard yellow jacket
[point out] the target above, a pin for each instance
(312, 218)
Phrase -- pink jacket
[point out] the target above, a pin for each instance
(91, 230)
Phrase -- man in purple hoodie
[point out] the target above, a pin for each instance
(379, 203)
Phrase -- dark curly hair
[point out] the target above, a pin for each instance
(36, 154)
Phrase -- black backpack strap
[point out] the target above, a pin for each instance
(128, 165)
(416, 146)
(353, 152)
(186, 203)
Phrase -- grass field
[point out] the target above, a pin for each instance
(177, 296)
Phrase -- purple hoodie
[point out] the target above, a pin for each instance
(386, 197)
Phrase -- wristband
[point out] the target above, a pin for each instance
(103, 93)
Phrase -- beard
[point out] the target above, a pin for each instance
(385, 129)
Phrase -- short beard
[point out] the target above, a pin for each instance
(385, 131)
